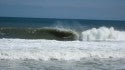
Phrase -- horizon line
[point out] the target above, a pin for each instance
(62, 18)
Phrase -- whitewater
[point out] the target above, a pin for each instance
(103, 34)
(59, 50)
(93, 49)
(96, 43)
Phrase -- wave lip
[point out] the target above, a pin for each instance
(103, 34)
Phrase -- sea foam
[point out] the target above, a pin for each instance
(59, 50)
(103, 34)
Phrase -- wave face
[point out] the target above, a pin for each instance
(59, 50)
(62, 29)
(37, 33)
(103, 34)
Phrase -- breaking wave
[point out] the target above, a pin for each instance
(38, 33)
(34, 44)
(103, 34)
(94, 34)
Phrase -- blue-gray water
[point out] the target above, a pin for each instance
(66, 23)
(61, 44)
(85, 64)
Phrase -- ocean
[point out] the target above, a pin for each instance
(61, 44)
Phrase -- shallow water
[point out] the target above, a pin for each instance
(84, 64)
(61, 50)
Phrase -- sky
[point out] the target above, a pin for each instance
(71, 9)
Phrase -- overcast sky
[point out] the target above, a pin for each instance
(77, 9)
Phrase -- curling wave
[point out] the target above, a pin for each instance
(94, 34)
(38, 33)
